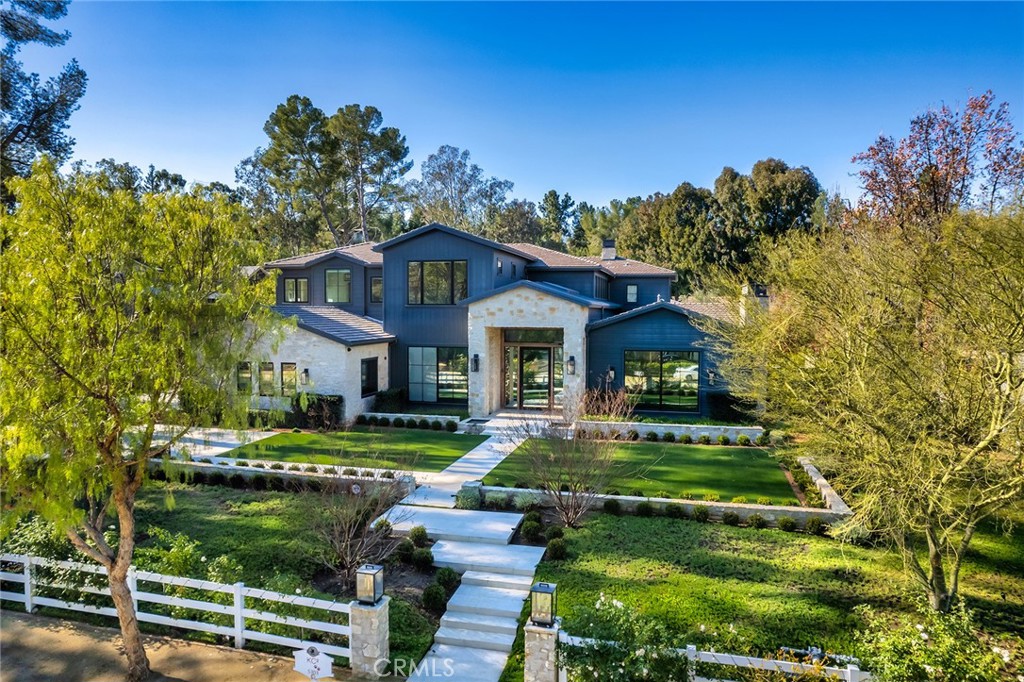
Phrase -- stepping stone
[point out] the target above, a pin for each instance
(477, 556)
(429, 496)
(477, 639)
(515, 582)
(475, 621)
(488, 601)
(463, 525)
(460, 664)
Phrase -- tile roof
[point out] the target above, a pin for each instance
(715, 307)
(619, 267)
(362, 253)
(336, 324)
(412, 234)
(623, 267)
(551, 258)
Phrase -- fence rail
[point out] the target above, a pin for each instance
(850, 673)
(238, 612)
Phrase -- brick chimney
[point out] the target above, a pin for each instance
(608, 249)
(752, 293)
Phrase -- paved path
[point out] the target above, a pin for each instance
(201, 442)
(41, 649)
(438, 489)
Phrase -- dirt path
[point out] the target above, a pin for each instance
(40, 649)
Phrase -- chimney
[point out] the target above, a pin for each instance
(608, 249)
(752, 292)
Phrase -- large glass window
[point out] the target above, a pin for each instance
(296, 290)
(338, 286)
(245, 378)
(368, 376)
(289, 377)
(600, 287)
(266, 378)
(663, 380)
(437, 282)
(376, 289)
(550, 336)
(438, 374)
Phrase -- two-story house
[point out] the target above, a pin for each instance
(452, 317)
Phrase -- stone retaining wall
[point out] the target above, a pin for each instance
(695, 430)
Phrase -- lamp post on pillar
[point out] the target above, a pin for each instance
(542, 635)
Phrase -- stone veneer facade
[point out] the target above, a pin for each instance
(370, 638)
(522, 308)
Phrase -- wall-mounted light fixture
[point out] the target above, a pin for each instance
(611, 374)
(711, 377)
(475, 363)
(570, 365)
(304, 377)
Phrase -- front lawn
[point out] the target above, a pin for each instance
(775, 588)
(385, 448)
(691, 470)
(268, 533)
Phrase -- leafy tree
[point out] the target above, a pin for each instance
(455, 192)
(34, 114)
(950, 160)
(557, 217)
(898, 355)
(372, 161)
(279, 220)
(515, 221)
(123, 175)
(597, 224)
(305, 170)
(117, 313)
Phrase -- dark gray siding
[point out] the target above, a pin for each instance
(315, 274)
(657, 330)
(577, 280)
(513, 269)
(374, 310)
(427, 325)
(647, 290)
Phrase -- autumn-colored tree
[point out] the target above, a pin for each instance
(951, 160)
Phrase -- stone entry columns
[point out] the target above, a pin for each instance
(541, 664)
(370, 638)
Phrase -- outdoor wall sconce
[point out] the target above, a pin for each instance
(369, 583)
(570, 366)
(304, 377)
(542, 604)
(475, 364)
(611, 374)
(711, 377)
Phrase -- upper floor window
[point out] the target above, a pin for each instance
(338, 286)
(601, 288)
(376, 289)
(630, 293)
(437, 282)
(296, 290)
(513, 271)
(501, 266)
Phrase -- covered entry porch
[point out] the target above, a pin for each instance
(527, 345)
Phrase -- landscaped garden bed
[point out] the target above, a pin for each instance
(730, 588)
(384, 448)
(677, 471)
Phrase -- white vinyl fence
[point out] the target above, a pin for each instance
(228, 610)
(850, 673)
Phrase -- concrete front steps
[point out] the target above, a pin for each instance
(461, 525)
(460, 664)
(477, 556)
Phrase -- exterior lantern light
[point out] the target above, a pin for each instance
(475, 365)
(304, 377)
(611, 374)
(369, 583)
(711, 377)
(570, 366)
(542, 604)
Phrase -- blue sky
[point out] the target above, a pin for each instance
(600, 100)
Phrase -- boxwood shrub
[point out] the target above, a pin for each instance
(435, 598)
(731, 518)
(724, 440)
(701, 513)
(652, 436)
(613, 507)
(704, 439)
(361, 419)
(557, 550)
(675, 511)
(384, 421)
(451, 426)
(422, 559)
(398, 423)
(686, 439)
(644, 508)
(786, 523)
(757, 521)
(669, 437)
(424, 424)
(743, 439)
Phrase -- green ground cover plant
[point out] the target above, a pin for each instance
(698, 470)
(365, 446)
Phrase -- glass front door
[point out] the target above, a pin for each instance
(533, 377)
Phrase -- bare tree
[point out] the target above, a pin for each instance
(571, 466)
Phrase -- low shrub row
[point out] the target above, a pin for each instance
(702, 514)
(553, 536)
(762, 440)
(261, 481)
(400, 422)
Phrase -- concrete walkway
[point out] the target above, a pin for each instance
(202, 442)
(438, 489)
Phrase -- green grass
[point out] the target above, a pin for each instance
(268, 533)
(388, 448)
(665, 467)
(775, 588)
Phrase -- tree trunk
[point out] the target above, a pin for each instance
(138, 662)
(938, 593)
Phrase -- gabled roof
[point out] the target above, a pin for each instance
(549, 259)
(335, 324)
(555, 290)
(686, 307)
(412, 234)
(359, 253)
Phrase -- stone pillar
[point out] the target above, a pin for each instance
(541, 663)
(369, 640)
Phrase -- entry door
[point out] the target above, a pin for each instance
(535, 369)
